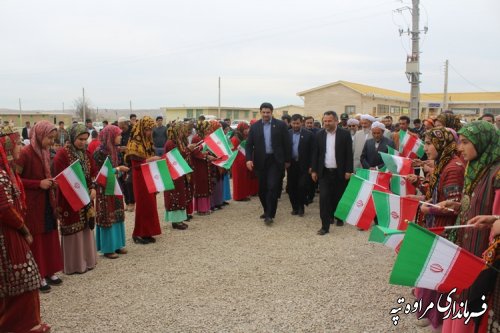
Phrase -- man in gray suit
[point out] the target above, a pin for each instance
(370, 157)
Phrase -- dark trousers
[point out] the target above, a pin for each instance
(269, 185)
(128, 190)
(297, 183)
(331, 187)
(311, 190)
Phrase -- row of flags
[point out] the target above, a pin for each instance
(424, 259)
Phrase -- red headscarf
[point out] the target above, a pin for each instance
(39, 132)
(107, 136)
(8, 142)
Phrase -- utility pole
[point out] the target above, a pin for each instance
(219, 100)
(130, 106)
(445, 95)
(83, 105)
(20, 114)
(413, 63)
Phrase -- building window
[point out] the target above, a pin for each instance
(254, 115)
(247, 114)
(465, 111)
(395, 109)
(285, 113)
(350, 109)
(236, 114)
(199, 112)
(229, 114)
(383, 109)
(495, 111)
(405, 110)
(189, 113)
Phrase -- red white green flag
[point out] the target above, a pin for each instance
(392, 151)
(410, 145)
(107, 179)
(393, 211)
(389, 237)
(427, 260)
(218, 143)
(157, 176)
(177, 165)
(242, 146)
(356, 205)
(73, 186)
(380, 178)
(397, 164)
(402, 187)
(226, 161)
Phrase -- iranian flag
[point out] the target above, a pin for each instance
(157, 176)
(389, 237)
(410, 145)
(73, 186)
(393, 210)
(427, 260)
(242, 146)
(380, 178)
(226, 161)
(356, 205)
(177, 165)
(107, 179)
(397, 164)
(392, 151)
(218, 143)
(402, 187)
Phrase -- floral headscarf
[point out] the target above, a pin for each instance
(203, 128)
(8, 141)
(178, 133)
(443, 140)
(486, 140)
(39, 132)
(449, 120)
(240, 130)
(107, 137)
(139, 145)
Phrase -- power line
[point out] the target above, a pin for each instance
(466, 80)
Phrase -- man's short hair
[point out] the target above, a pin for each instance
(417, 121)
(308, 117)
(287, 117)
(201, 118)
(266, 105)
(405, 118)
(296, 117)
(388, 117)
(88, 121)
(61, 122)
(159, 117)
(227, 119)
(487, 115)
(331, 113)
(132, 115)
(94, 134)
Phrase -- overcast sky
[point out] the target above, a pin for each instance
(171, 53)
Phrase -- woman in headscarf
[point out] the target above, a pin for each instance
(178, 199)
(140, 150)
(217, 175)
(241, 175)
(34, 169)
(78, 243)
(201, 160)
(19, 276)
(448, 120)
(445, 183)
(110, 231)
(225, 177)
(480, 148)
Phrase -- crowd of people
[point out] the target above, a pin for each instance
(41, 235)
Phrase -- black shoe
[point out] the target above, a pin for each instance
(225, 203)
(150, 239)
(322, 232)
(295, 212)
(268, 220)
(54, 282)
(301, 212)
(140, 240)
(340, 223)
(45, 289)
(263, 216)
(244, 199)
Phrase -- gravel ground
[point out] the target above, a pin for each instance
(230, 273)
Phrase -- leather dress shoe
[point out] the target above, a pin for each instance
(295, 212)
(322, 232)
(340, 223)
(301, 212)
(263, 216)
(268, 220)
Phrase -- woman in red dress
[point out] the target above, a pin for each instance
(140, 150)
(19, 276)
(77, 236)
(41, 198)
(241, 175)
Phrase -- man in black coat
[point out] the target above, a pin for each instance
(332, 166)
(298, 173)
(26, 131)
(268, 150)
(370, 157)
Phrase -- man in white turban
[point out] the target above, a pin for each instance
(360, 138)
(353, 126)
(370, 157)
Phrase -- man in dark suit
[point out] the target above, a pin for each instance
(332, 166)
(26, 131)
(268, 150)
(370, 157)
(298, 173)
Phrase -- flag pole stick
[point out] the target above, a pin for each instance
(432, 205)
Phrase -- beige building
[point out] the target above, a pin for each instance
(352, 98)
(20, 118)
(177, 113)
(288, 109)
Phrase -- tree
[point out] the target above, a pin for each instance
(90, 112)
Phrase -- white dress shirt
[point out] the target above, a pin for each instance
(330, 161)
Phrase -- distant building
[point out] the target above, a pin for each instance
(177, 113)
(288, 109)
(352, 98)
(19, 118)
